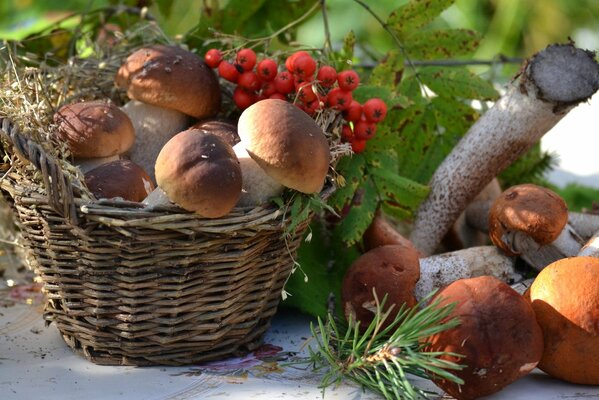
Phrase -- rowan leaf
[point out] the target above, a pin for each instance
(365, 92)
(416, 14)
(352, 171)
(321, 267)
(457, 82)
(399, 189)
(446, 43)
(360, 216)
(389, 71)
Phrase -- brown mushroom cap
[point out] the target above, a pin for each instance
(498, 336)
(94, 129)
(534, 210)
(223, 128)
(391, 270)
(120, 178)
(171, 77)
(565, 298)
(286, 143)
(199, 172)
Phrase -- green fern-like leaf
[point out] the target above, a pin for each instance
(446, 43)
(416, 14)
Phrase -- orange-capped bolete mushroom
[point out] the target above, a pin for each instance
(390, 270)
(532, 221)
(286, 143)
(119, 178)
(498, 337)
(565, 298)
(199, 172)
(95, 132)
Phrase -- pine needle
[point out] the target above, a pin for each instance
(386, 360)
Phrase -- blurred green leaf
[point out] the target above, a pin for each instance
(457, 82)
(363, 207)
(441, 44)
(416, 14)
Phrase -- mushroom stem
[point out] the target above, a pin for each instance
(154, 126)
(442, 269)
(567, 244)
(591, 248)
(585, 224)
(551, 84)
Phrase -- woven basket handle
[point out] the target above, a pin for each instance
(58, 188)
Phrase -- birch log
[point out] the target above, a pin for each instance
(550, 85)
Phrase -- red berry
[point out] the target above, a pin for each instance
(249, 80)
(213, 57)
(316, 105)
(364, 129)
(269, 88)
(339, 99)
(375, 110)
(346, 133)
(353, 112)
(348, 80)
(242, 98)
(228, 71)
(267, 70)
(246, 58)
(327, 76)
(278, 95)
(358, 145)
(305, 93)
(284, 82)
(289, 61)
(304, 66)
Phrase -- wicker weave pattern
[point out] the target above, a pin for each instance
(131, 286)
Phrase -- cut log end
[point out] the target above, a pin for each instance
(564, 75)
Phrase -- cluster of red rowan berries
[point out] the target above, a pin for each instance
(303, 83)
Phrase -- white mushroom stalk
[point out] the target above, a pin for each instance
(591, 247)
(154, 126)
(550, 85)
(440, 270)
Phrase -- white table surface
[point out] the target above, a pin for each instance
(36, 364)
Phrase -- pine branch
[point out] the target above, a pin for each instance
(384, 358)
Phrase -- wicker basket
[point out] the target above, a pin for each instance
(131, 286)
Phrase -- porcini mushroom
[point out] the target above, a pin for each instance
(119, 178)
(221, 127)
(154, 126)
(550, 85)
(95, 132)
(199, 172)
(286, 143)
(167, 86)
(171, 77)
(258, 186)
(532, 221)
